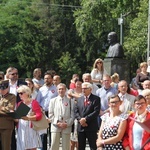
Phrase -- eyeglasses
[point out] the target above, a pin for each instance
(142, 103)
(21, 93)
(99, 62)
(14, 74)
(114, 102)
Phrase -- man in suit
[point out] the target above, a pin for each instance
(127, 99)
(86, 112)
(7, 104)
(61, 115)
(14, 83)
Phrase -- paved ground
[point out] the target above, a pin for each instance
(60, 148)
(87, 147)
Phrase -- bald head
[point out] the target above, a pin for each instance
(56, 80)
(86, 77)
(146, 84)
(122, 87)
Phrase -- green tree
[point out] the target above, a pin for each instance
(37, 32)
(68, 66)
(136, 40)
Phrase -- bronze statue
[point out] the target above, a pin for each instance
(115, 49)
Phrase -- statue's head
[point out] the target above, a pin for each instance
(112, 37)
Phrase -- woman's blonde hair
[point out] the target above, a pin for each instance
(95, 64)
(24, 89)
(115, 76)
(143, 64)
(146, 92)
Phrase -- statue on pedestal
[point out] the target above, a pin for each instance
(115, 49)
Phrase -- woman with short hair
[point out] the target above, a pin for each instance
(136, 136)
(142, 76)
(27, 138)
(113, 126)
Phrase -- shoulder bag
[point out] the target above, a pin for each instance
(40, 124)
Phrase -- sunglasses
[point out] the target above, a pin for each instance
(21, 93)
(99, 62)
(14, 74)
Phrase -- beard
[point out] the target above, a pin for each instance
(48, 83)
(39, 76)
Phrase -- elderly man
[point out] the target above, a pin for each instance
(61, 115)
(145, 85)
(56, 80)
(86, 77)
(86, 112)
(7, 104)
(127, 99)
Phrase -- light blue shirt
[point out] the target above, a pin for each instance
(137, 136)
(45, 94)
(104, 94)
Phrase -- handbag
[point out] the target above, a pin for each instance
(40, 124)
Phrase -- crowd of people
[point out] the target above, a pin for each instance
(99, 108)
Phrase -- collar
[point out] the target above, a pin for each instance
(106, 88)
(15, 84)
(61, 97)
(3, 96)
(87, 96)
(141, 117)
(122, 97)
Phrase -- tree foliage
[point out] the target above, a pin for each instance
(99, 17)
(68, 66)
(136, 41)
(68, 35)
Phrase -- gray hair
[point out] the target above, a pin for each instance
(87, 84)
(24, 89)
(61, 84)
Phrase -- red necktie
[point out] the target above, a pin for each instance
(86, 101)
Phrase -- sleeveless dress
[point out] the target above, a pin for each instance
(110, 129)
(27, 138)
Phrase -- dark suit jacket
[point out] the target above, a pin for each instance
(90, 112)
(19, 83)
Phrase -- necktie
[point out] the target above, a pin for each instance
(86, 101)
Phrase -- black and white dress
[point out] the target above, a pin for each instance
(110, 129)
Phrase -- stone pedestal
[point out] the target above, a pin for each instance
(118, 65)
